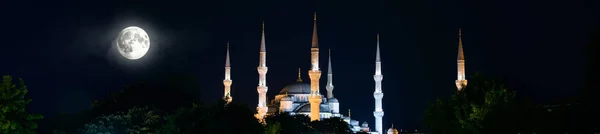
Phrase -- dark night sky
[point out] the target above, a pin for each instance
(63, 49)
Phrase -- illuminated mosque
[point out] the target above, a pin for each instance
(305, 98)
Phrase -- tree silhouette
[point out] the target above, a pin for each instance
(301, 124)
(334, 125)
(135, 120)
(290, 124)
(145, 94)
(484, 106)
(273, 128)
(588, 95)
(217, 118)
(14, 119)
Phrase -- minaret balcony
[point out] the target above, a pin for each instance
(378, 77)
(227, 82)
(378, 95)
(314, 75)
(262, 70)
(317, 99)
(262, 89)
(378, 114)
(329, 87)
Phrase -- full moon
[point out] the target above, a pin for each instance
(133, 43)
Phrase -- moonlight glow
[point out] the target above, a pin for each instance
(133, 43)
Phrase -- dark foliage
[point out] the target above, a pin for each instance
(14, 118)
(484, 106)
(588, 95)
(333, 125)
(144, 94)
(135, 120)
(301, 124)
(218, 118)
(290, 124)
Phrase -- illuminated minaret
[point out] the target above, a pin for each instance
(329, 86)
(461, 81)
(378, 94)
(262, 78)
(227, 81)
(315, 76)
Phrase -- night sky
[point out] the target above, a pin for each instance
(63, 50)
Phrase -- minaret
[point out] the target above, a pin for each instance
(349, 114)
(461, 81)
(262, 78)
(315, 76)
(378, 94)
(227, 81)
(329, 86)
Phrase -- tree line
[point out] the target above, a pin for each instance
(485, 106)
(488, 107)
(165, 108)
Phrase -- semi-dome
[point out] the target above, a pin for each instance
(296, 88)
(306, 108)
(364, 124)
(332, 100)
(287, 98)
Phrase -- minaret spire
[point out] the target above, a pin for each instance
(378, 94)
(349, 114)
(315, 76)
(227, 63)
(329, 86)
(262, 78)
(263, 48)
(227, 81)
(315, 39)
(378, 58)
(461, 81)
(461, 55)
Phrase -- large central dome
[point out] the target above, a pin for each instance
(296, 88)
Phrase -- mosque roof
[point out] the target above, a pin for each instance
(306, 108)
(296, 88)
(392, 130)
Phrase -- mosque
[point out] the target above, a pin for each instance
(305, 99)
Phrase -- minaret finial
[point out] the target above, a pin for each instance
(299, 76)
(262, 40)
(378, 58)
(227, 64)
(461, 55)
(329, 65)
(315, 39)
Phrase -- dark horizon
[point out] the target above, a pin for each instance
(535, 48)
